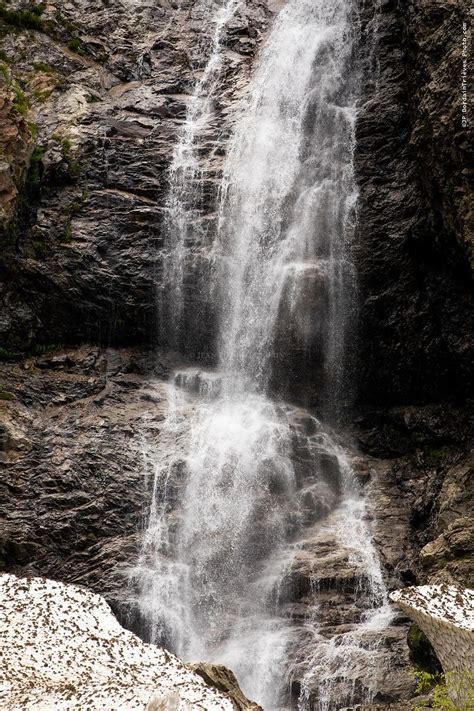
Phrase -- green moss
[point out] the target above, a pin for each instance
(66, 145)
(74, 168)
(6, 354)
(67, 233)
(43, 349)
(74, 207)
(5, 395)
(35, 171)
(33, 128)
(438, 452)
(4, 56)
(21, 102)
(29, 198)
(24, 19)
(75, 45)
(5, 72)
(421, 652)
(43, 67)
(38, 8)
(40, 249)
(42, 95)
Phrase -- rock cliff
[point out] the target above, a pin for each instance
(92, 95)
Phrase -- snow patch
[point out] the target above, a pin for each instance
(62, 648)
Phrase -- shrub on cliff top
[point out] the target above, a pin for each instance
(28, 19)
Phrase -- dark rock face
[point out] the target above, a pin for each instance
(106, 107)
(82, 186)
(421, 491)
(412, 249)
(73, 492)
(108, 92)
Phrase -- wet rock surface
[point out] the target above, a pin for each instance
(414, 245)
(104, 95)
(224, 680)
(73, 492)
(106, 90)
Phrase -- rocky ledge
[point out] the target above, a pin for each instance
(64, 649)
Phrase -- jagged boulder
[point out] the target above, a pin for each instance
(223, 679)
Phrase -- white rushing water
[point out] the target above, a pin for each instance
(237, 479)
(182, 205)
(288, 193)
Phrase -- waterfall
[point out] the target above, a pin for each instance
(182, 225)
(288, 195)
(242, 482)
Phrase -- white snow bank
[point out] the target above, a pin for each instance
(62, 648)
(445, 613)
(449, 603)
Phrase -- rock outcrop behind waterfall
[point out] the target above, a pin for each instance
(414, 245)
(92, 96)
(62, 648)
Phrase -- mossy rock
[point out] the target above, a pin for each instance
(422, 653)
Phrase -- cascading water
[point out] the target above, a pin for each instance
(288, 194)
(241, 483)
(183, 233)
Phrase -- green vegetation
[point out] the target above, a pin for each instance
(67, 237)
(21, 102)
(76, 205)
(446, 687)
(75, 45)
(4, 71)
(27, 352)
(73, 166)
(66, 145)
(6, 355)
(29, 19)
(40, 249)
(29, 197)
(43, 67)
(4, 56)
(5, 395)
(421, 652)
(33, 129)
(35, 171)
(43, 349)
(42, 94)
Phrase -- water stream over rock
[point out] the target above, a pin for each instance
(256, 513)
